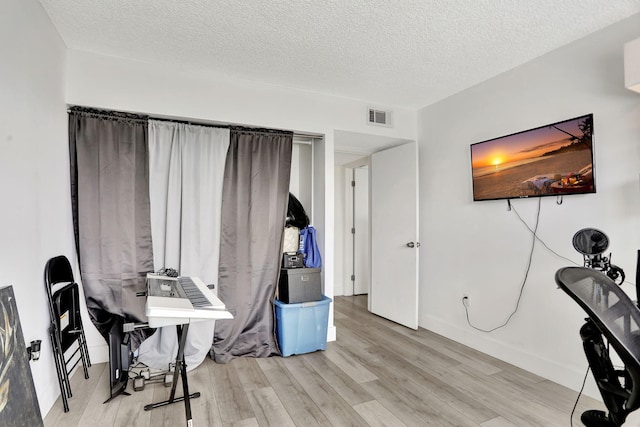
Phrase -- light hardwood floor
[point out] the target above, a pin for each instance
(376, 373)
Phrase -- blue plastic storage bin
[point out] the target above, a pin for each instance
(302, 327)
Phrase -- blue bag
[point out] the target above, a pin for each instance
(309, 247)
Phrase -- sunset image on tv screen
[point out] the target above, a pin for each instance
(555, 159)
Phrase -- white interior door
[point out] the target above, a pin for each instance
(394, 234)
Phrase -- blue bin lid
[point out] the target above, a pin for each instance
(325, 300)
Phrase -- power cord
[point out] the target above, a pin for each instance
(511, 207)
(536, 237)
(534, 232)
(539, 239)
(524, 281)
(575, 405)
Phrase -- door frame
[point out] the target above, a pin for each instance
(349, 250)
(359, 144)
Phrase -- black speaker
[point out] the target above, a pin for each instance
(292, 260)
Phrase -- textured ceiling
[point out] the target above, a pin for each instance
(407, 53)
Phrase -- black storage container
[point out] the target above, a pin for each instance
(299, 285)
(292, 260)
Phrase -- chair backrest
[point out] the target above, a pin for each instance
(57, 270)
(614, 314)
(66, 306)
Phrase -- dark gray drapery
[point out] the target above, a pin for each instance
(254, 206)
(110, 196)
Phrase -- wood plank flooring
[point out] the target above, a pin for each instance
(377, 373)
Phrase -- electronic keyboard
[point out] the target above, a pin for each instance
(181, 300)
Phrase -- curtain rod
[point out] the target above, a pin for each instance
(135, 116)
(189, 122)
(121, 115)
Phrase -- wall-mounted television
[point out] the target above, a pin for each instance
(551, 160)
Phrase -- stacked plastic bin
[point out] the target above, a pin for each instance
(302, 312)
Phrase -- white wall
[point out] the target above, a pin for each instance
(34, 177)
(118, 84)
(108, 82)
(481, 248)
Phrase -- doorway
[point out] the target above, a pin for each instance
(352, 211)
(360, 232)
(356, 231)
(354, 151)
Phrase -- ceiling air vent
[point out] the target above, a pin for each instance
(379, 117)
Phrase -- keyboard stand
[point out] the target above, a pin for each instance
(181, 369)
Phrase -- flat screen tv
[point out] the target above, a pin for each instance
(551, 160)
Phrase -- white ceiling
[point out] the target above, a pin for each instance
(403, 53)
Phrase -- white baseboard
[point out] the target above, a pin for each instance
(565, 375)
(331, 334)
(98, 353)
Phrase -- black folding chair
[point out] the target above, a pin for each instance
(66, 331)
(615, 318)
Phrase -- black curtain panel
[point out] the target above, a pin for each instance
(110, 197)
(254, 208)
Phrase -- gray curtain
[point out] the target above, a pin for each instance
(254, 205)
(110, 196)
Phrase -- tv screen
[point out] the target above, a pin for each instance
(551, 160)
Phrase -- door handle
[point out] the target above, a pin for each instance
(413, 245)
